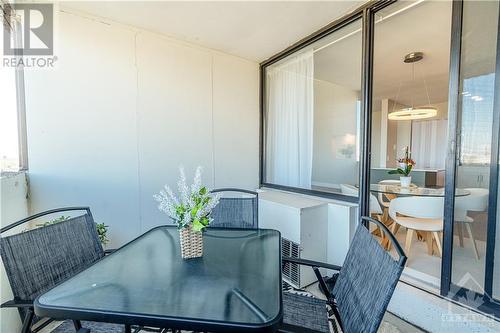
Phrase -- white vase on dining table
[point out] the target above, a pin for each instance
(405, 181)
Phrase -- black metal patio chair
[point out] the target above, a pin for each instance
(237, 208)
(357, 296)
(36, 260)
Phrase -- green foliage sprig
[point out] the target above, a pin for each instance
(102, 229)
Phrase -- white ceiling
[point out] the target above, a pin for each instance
(253, 30)
(424, 27)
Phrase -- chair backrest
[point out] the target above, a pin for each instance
(38, 259)
(381, 196)
(367, 280)
(476, 201)
(237, 208)
(418, 207)
(351, 190)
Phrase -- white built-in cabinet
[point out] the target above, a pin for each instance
(311, 228)
(473, 176)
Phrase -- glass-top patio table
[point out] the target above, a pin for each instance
(235, 286)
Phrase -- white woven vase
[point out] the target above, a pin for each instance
(191, 243)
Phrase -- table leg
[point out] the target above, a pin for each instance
(460, 231)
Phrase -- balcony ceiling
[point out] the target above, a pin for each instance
(254, 30)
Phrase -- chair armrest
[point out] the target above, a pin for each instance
(109, 251)
(311, 263)
(17, 303)
(314, 265)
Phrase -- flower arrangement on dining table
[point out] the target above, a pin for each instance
(190, 210)
(406, 165)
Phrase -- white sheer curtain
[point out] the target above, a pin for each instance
(428, 143)
(289, 137)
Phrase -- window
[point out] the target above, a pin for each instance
(12, 125)
(477, 116)
(9, 143)
(312, 114)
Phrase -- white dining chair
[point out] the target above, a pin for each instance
(418, 214)
(383, 198)
(351, 190)
(476, 201)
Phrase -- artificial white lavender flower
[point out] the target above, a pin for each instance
(195, 188)
(194, 205)
(167, 202)
(206, 210)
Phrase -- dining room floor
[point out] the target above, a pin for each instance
(425, 270)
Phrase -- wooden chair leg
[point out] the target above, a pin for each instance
(429, 241)
(409, 238)
(394, 230)
(438, 243)
(474, 246)
(460, 231)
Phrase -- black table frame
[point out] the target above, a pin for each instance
(179, 323)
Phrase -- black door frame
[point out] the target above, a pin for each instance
(493, 185)
(454, 104)
(482, 301)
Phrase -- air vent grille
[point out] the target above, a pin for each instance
(291, 271)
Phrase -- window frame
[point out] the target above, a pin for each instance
(22, 136)
(360, 13)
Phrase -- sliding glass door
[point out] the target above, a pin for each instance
(472, 220)
(409, 118)
(396, 84)
(435, 104)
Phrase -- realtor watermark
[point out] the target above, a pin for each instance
(471, 292)
(28, 35)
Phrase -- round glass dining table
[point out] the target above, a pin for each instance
(414, 190)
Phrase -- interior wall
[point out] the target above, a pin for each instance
(397, 133)
(392, 137)
(376, 137)
(334, 129)
(124, 107)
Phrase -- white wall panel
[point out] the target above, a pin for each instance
(174, 117)
(236, 122)
(123, 109)
(81, 125)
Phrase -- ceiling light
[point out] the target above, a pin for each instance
(413, 113)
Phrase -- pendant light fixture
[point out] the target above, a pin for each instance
(418, 112)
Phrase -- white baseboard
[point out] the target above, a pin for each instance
(324, 184)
